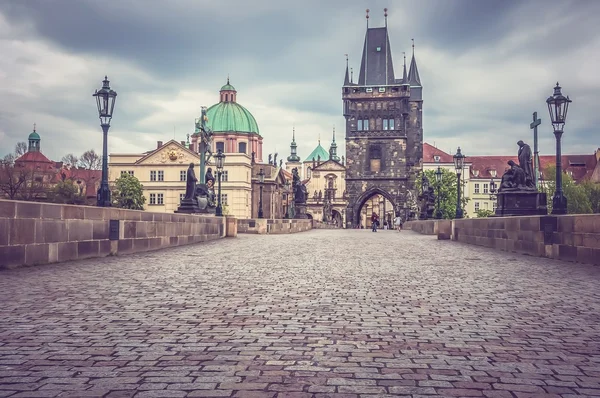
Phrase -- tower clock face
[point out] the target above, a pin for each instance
(173, 154)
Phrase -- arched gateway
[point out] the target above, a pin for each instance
(384, 134)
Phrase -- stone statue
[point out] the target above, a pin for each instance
(300, 192)
(209, 180)
(206, 136)
(514, 179)
(275, 160)
(525, 163)
(270, 159)
(190, 185)
(253, 157)
(280, 162)
(316, 195)
(319, 159)
(320, 195)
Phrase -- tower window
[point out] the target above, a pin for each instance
(375, 158)
(242, 147)
(360, 125)
(392, 124)
(385, 124)
(221, 146)
(378, 49)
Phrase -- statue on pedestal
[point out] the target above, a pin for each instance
(526, 163)
(300, 193)
(190, 185)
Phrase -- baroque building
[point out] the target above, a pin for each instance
(384, 132)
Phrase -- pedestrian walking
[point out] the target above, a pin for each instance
(374, 221)
(398, 223)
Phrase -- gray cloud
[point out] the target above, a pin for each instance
(485, 65)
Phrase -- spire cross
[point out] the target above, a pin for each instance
(413, 46)
(367, 18)
(34, 126)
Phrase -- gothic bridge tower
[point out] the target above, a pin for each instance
(384, 133)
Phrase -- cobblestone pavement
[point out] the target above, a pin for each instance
(324, 313)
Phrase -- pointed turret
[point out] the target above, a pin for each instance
(293, 148)
(404, 76)
(376, 67)
(413, 75)
(347, 78)
(333, 149)
(34, 141)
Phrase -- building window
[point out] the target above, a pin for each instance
(152, 198)
(181, 196)
(375, 158)
(224, 199)
(160, 198)
(494, 206)
(476, 206)
(130, 172)
(242, 147)
(476, 188)
(366, 124)
(485, 188)
(161, 175)
(153, 175)
(220, 146)
(224, 176)
(360, 125)
(183, 175)
(391, 124)
(385, 124)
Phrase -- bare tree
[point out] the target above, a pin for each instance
(70, 160)
(12, 179)
(90, 160)
(20, 148)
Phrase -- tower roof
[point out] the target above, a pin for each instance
(413, 75)
(318, 152)
(376, 66)
(230, 116)
(34, 136)
(227, 86)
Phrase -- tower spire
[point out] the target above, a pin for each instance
(293, 148)
(386, 46)
(413, 74)
(347, 77)
(404, 77)
(333, 149)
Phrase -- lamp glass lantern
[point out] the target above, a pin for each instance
(105, 100)
(438, 174)
(459, 161)
(220, 160)
(558, 105)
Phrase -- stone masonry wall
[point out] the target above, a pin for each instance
(270, 226)
(40, 233)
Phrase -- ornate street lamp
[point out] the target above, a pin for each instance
(493, 189)
(558, 105)
(459, 161)
(105, 98)
(220, 160)
(261, 181)
(438, 179)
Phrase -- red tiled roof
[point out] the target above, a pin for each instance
(430, 152)
(35, 160)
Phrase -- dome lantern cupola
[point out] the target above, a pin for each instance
(34, 141)
(228, 92)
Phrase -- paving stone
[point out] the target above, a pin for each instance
(323, 313)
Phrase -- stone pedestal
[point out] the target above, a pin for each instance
(521, 203)
(188, 206)
(300, 209)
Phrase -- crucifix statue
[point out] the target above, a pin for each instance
(204, 143)
(536, 158)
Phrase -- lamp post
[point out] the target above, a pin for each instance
(459, 160)
(219, 160)
(493, 189)
(424, 190)
(558, 105)
(105, 99)
(261, 181)
(438, 179)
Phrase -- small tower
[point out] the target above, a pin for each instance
(333, 149)
(34, 141)
(293, 160)
(228, 92)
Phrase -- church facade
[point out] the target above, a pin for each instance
(384, 130)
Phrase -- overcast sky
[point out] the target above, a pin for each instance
(485, 66)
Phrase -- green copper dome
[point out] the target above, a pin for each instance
(228, 87)
(319, 151)
(231, 116)
(34, 136)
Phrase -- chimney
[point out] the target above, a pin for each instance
(158, 144)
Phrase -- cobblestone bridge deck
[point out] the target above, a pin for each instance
(324, 313)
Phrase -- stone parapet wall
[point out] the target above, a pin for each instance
(321, 225)
(270, 226)
(568, 237)
(441, 228)
(40, 233)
